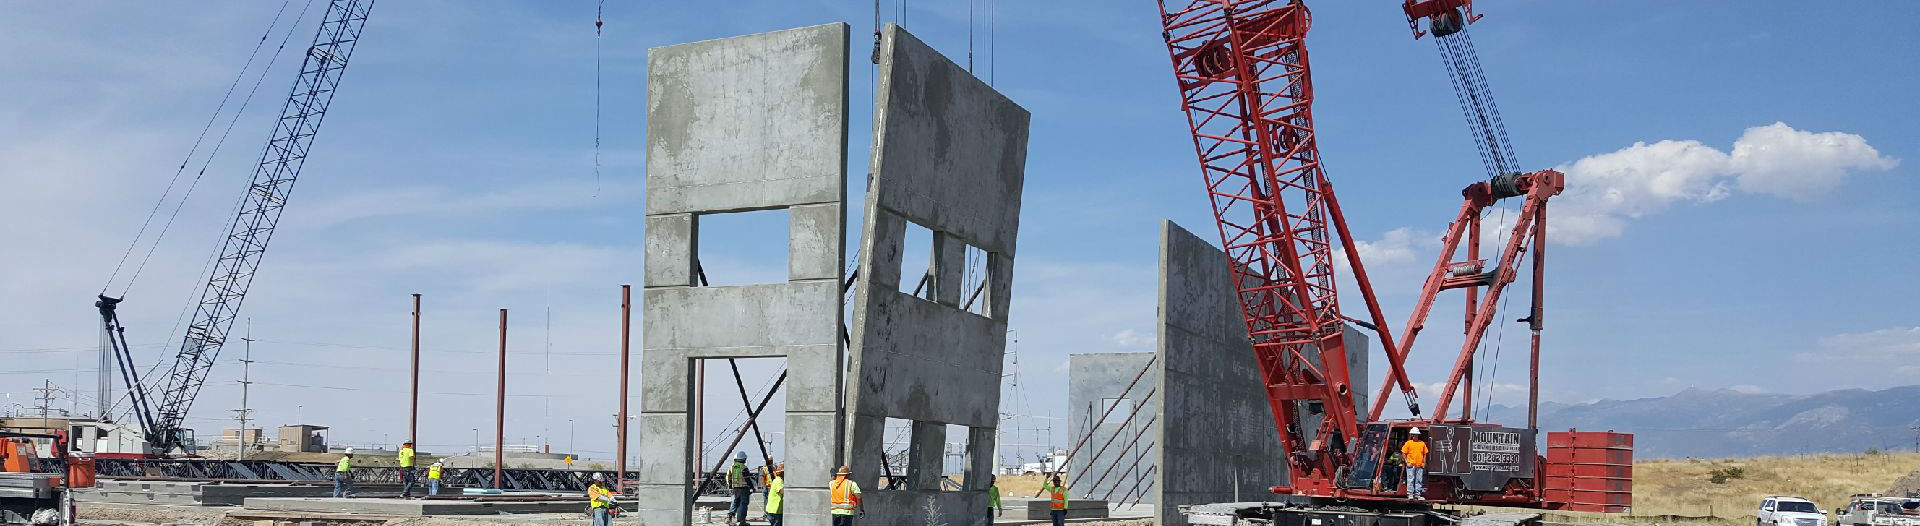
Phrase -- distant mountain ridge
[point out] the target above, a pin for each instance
(1728, 423)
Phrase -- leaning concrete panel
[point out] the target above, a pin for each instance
(1220, 444)
(949, 154)
(746, 123)
(1118, 456)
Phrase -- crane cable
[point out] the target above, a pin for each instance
(598, 21)
(204, 128)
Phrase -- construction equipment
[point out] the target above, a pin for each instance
(1246, 87)
(28, 496)
(246, 241)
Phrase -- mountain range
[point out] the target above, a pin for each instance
(1727, 423)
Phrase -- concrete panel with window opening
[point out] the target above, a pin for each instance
(744, 124)
(949, 155)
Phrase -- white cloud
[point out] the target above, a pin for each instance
(1747, 389)
(1131, 338)
(1396, 246)
(1892, 346)
(1606, 191)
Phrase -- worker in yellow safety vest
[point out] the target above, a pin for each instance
(343, 476)
(845, 497)
(993, 498)
(600, 501)
(406, 470)
(433, 478)
(776, 487)
(1058, 507)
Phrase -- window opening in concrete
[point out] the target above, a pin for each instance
(1122, 408)
(916, 262)
(722, 416)
(953, 467)
(974, 285)
(896, 441)
(742, 248)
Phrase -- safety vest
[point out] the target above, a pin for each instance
(345, 464)
(406, 457)
(993, 497)
(434, 472)
(1059, 496)
(773, 494)
(737, 475)
(846, 496)
(594, 496)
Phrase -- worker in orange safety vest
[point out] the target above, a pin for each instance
(1414, 451)
(1058, 506)
(845, 498)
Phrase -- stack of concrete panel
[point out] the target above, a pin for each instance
(949, 154)
(415, 507)
(1041, 509)
(189, 493)
(740, 124)
(1213, 437)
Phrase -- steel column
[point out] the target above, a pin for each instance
(626, 330)
(413, 411)
(500, 407)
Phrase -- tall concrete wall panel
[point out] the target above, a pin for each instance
(949, 154)
(755, 122)
(1125, 470)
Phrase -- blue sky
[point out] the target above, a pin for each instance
(458, 163)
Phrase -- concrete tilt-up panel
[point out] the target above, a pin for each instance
(949, 154)
(755, 122)
(1118, 455)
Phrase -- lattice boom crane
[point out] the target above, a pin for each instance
(246, 241)
(1246, 87)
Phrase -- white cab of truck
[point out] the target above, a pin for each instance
(1875, 510)
(1789, 511)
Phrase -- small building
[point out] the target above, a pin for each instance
(302, 438)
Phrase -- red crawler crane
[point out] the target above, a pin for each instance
(1246, 87)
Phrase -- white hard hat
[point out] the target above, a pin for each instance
(1415, 432)
(597, 477)
(742, 455)
(436, 462)
(349, 451)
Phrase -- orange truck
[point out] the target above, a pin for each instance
(29, 497)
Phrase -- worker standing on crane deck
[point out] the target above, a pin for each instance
(343, 476)
(600, 501)
(433, 479)
(776, 489)
(845, 497)
(1415, 453)
(1058, 506)
(742, 486)
(406, 470)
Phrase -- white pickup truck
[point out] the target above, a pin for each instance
(1876, 510)
(1789, 511)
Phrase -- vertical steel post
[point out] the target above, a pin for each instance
(1535, 320)
(626, 324)
(1473, 305)
(413, 412)
(500, 407)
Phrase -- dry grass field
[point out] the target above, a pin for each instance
(1684, 491)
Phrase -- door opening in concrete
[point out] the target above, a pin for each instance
(916, 262)
(953, 465)
(742, 248)
(726, 396)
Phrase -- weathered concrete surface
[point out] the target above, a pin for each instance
(1220, 444)
(188, 493)
(747, 123)
(1213, 437)
(1125, 469)
(1040, 509)
(949, 154)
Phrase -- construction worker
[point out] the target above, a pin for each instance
(845, 497)
(343, 476)
(406, 469)
(742, 486)
(1414, 452)
(433, 478)
(1058, 507)
(776, 489)
(600, 501)
(993, 498)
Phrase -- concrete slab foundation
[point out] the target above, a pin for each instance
(949, 154)
(756, 122)
(411, 507)
(1213, 437)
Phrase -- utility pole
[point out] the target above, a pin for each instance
(1916, 438)
(46, 398)
(246, 382)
